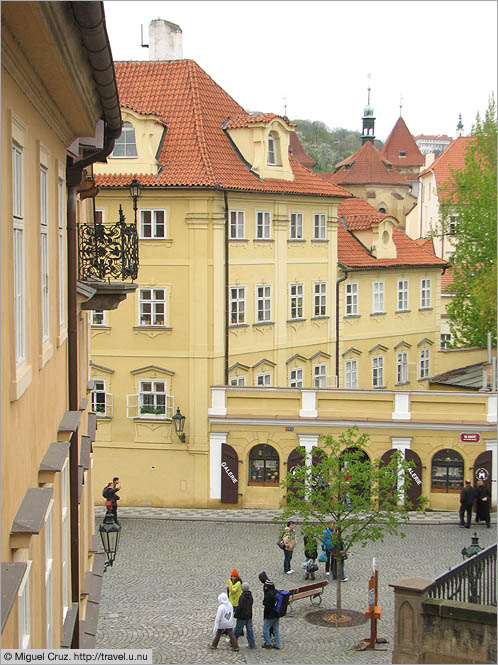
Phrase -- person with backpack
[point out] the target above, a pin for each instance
(224, 623)
(329, 544)
(311, 554)
(243, 614)
(270, 616)
(289, 538)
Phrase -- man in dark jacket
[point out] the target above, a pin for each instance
(243, 614)
(270, 617)
(483, 496)
(467, 498)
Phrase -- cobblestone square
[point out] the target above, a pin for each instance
(162, 591)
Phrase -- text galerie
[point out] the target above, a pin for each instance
(228, 472)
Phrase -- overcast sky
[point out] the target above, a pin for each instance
(441, 57)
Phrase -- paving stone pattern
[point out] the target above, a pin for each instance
(162, 591)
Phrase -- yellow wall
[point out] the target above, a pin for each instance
(398, 208)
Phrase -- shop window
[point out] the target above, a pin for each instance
(447, 472)
(263, 466)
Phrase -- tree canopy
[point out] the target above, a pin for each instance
(470, 199)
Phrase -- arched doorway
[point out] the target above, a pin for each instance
(482, 468)
(229, 474)
(294, 461)
(362, 488)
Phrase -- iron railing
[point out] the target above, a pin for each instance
(108, 251)
(473, 581)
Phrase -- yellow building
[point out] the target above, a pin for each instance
(59, 114)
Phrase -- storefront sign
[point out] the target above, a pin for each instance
(229, 474)
(481, 474)
(470, 437)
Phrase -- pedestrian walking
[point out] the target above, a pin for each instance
(290, 541)
(112, 498)
(311, 554)
(270, 617)
(483, 496)
(467, 498)
(224, 623)
(234, 587)
(243, 614)
(329, 544)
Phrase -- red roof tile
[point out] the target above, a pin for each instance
(360, 215)
(427, 244)
(400, 140)
(299, 152)
(366, 166)
(196, 151)
(255, 118)
(451, 159)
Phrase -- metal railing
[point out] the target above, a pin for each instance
(108, 251)
(473, 581)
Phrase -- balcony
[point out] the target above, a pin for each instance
(106, 253)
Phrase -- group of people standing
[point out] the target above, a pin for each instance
(234, 614)
(481, 497)
(329, 547)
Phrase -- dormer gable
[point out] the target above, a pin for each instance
(383, 246)
(138, 148)
(263, 141)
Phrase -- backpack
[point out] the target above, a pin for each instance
(105, 492)
(281, 602)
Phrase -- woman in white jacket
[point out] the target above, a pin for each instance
(224, 623)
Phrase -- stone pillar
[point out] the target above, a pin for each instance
(409, 593)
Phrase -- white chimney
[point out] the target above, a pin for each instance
(165, 40)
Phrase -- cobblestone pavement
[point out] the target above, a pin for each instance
(162, 590)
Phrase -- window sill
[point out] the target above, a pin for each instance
(402, 383)
(161, 239)
(24, 374)
(351, 316)
(264, 323)
(423, 378)
(296, 240)
(378, 387)
(319, 240)
(238, 325)
(46, 354)
(62, 337)
(264, 240)
(378, 313)
(424, 309)
(97, 326)
(238, 240)
(402, 311)
(320, 316)
(151, 327)
(122, 157)
(255, 483)
(295, 320)
(149, 416)
(102, 416)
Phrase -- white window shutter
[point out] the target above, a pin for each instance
(132, 406)
(109, 405)
(170, 406)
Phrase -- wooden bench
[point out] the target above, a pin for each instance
(312, 591)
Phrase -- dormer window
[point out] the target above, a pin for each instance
(125, 145)
(402, 154)
(273, 148)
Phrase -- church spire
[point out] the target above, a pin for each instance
(460, 125)
(368, 119)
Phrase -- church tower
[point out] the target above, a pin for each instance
(459, 127)
(368, 121)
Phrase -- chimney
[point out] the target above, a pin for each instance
(165, 40)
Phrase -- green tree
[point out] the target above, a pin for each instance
(470, 199)
(361, 496)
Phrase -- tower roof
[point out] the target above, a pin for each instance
(366, 166)
(451, 159)
(399, 141)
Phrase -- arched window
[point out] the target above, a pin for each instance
(263, 466)
(382, 210)
(273, 148)
(126, 145)
(447, 471)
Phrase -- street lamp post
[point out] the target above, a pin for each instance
(110, 531)
(179, 421)
(475, 569)
(135, 193)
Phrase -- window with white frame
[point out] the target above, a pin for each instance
(19, 267)
(237, 305)
(377, 297)
(152, 401)
(351, 373)
(296, 378)
(98, 317)
(296, 301)
(24, 613)
(152, 307)
(296, 226)
(49, 592)
(125, 145)
(320, 299)
(319, 226)
(272, 148)
(424, 364)
(377, 371)
(263, 225)
(237, 224)
(64, 538)
(425, 293)
(60, 244)
(152, 224)
(402, 295)
(351, 299)
(263, 379)
(263, 303)
(320, 376)
(101, 400)
(45, 305)
(453, 225)
(238, 381)
(445, 340)
(402, 367)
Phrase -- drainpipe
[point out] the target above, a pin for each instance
(227, 334)
(342, 279)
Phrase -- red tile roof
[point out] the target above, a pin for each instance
(359, 215)
(195, 150)
(255, 118)
(451, 159)
(299, 152)
(447, 279)
(400, 140)
(366, 166)
(427, 244)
